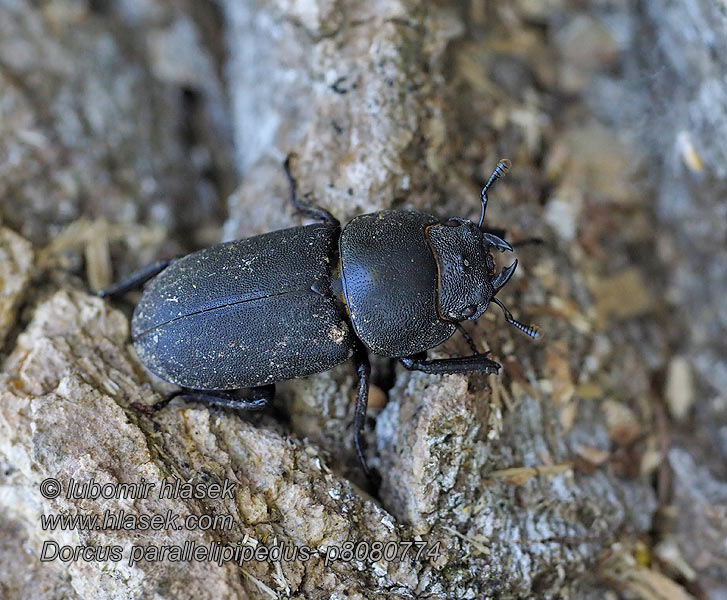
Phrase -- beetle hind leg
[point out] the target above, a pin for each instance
(258, 399)
(135, 280)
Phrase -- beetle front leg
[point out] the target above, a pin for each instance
(363, 369)
(258, 399)
(309, 210)
(476, 363)
(136, 279)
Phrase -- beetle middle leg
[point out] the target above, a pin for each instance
(136, 279)
(309, 210)
(258, 399)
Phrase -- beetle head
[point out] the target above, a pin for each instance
(468, 281)
(467, 276)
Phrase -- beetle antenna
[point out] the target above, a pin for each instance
(502, 167)
(527, 329)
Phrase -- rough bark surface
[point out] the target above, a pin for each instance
(594, 464)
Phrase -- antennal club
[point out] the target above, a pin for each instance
(527, 329)
(502, 167)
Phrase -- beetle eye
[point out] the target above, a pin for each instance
(469, 311)
(452, 223)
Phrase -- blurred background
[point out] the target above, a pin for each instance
(596, 465)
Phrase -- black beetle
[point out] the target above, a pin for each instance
(299, 301)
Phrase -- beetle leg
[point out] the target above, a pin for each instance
(446, 366)
(309, 210)
(136, 279)
(467, 337)
(363, 369)
(257, 400)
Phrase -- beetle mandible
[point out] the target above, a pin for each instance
(298, 301)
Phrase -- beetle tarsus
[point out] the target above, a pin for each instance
(309, 210)
(258, 399)
(135, 280)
